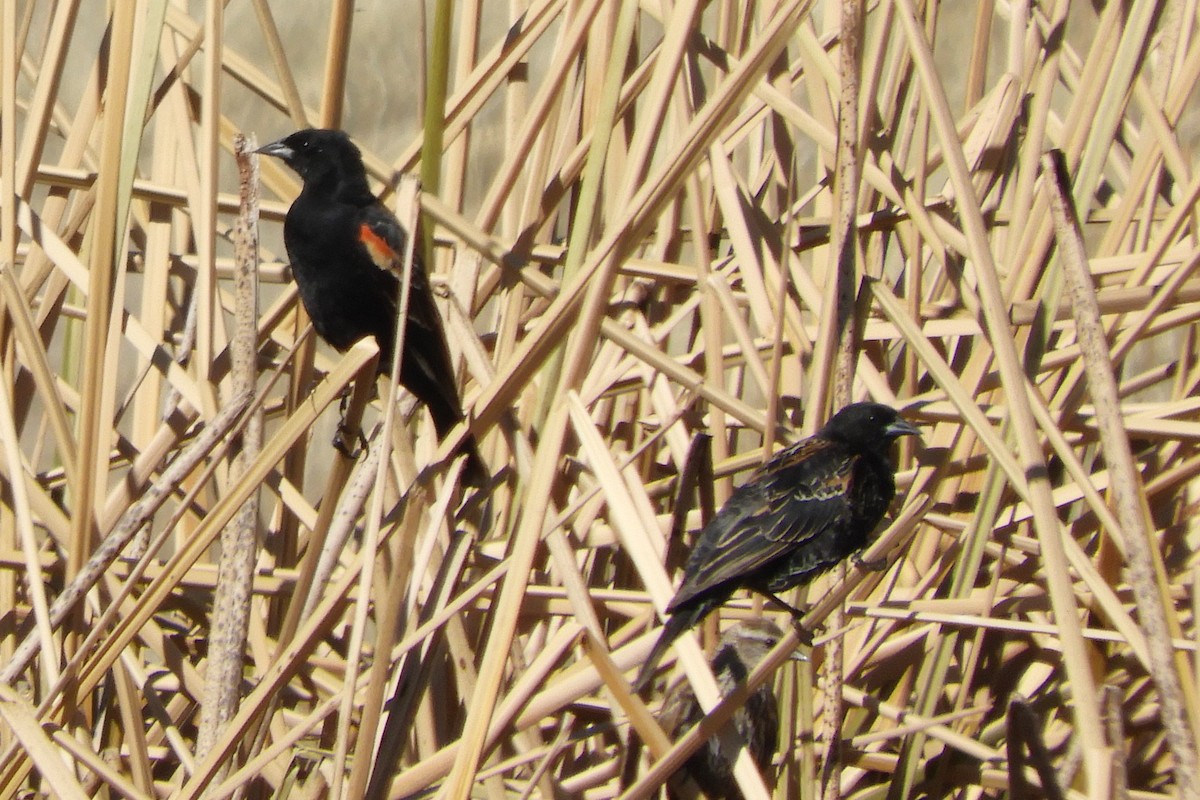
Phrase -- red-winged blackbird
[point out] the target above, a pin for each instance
(742, 648)
(346, 253)
(801, 513)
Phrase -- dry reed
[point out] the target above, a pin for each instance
(646, 222)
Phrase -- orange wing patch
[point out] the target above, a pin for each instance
(377, 248)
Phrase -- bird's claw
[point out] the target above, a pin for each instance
(350, 444)
(802, 633)
(872, 565)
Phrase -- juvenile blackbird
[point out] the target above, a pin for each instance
(346, 252)
(801, 513)
(741, 649)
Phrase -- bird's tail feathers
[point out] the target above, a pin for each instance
(445, 417)
(676, 624)
(475, 472)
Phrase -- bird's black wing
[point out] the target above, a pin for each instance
(425, 365)
(430, 374)
(799, 494)
(383, 240)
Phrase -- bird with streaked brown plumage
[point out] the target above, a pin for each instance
(741, 649)
(812, 505)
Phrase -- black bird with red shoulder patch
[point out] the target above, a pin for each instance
(812, 505)
(346, 252)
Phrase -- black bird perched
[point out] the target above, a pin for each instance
(742, 648)
(346, 253)
(801, 513)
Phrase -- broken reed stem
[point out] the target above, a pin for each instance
(1025, 740)
(1146, 573)
(235, 570)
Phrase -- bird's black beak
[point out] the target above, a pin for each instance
(798, 655)
(277, 149)
(901, 427)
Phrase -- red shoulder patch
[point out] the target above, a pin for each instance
(377, 248)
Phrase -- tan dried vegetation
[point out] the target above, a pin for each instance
(638, 215)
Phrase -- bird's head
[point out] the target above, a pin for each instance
(868, 425)
(751, 640)
(318, 155)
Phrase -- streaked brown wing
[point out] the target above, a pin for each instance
(793, 498)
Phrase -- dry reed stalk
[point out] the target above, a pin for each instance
(407, 199)
(8, 138)
(633, 533)
(1033, 465)
(107, 241)
(1146, 571)
(133, 521)
(633, 234)
(239, 540)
